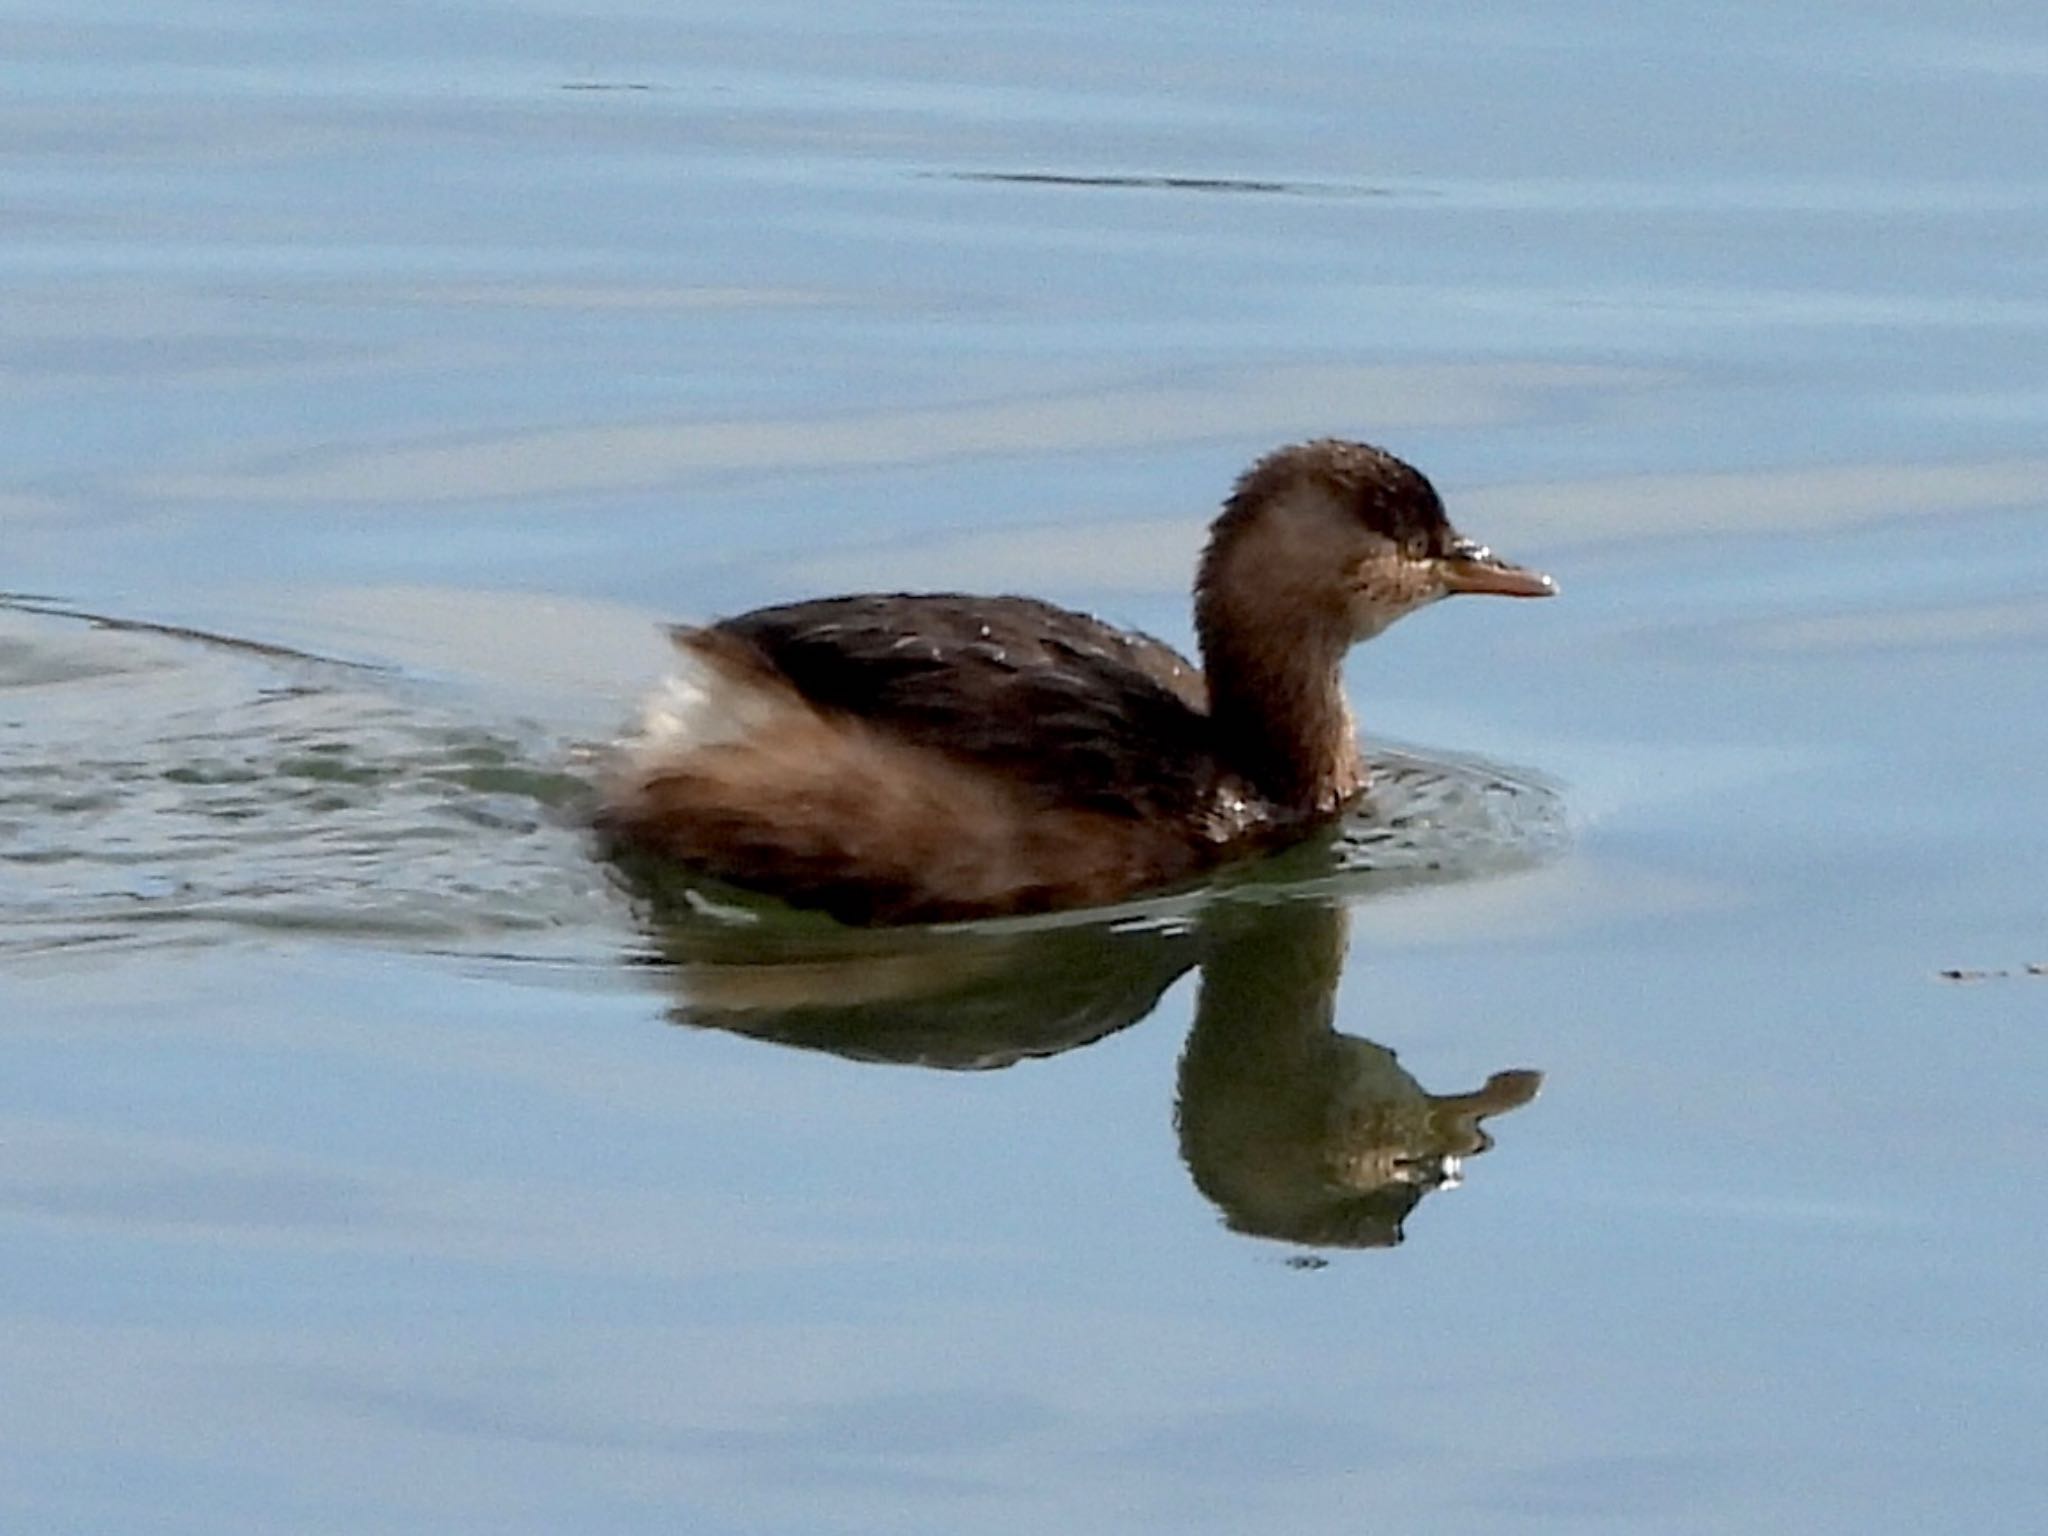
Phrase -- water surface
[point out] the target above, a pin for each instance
(376, 1160)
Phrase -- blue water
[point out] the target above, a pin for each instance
(372, 1160)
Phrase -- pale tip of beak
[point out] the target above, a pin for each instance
(1487, 573)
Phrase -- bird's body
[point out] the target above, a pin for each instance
(901, 757)
(1088, 716)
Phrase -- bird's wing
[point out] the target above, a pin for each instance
(1086, 714)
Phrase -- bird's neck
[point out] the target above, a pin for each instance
(1280, 718)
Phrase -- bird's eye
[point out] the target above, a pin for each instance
(1415, 546)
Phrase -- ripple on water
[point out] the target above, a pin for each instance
(159, 789)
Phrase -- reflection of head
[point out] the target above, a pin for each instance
(1295, 1131)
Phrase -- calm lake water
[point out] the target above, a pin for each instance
(375, 1161)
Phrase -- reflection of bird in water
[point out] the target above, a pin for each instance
(895, 758)
(961, 998)
(1296, 1131)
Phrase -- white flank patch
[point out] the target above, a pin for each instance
(694, 707)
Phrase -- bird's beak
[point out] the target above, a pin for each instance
(1471, 567)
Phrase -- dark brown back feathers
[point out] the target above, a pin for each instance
(1088, 716)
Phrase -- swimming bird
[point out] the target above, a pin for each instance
(899, 757)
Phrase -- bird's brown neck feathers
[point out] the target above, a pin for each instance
(1273, 633)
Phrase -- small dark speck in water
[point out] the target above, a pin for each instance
(1307, 1261)
(606, 85)
(2006, 973)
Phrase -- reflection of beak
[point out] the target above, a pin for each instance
(1471, 567)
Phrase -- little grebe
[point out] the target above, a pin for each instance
(899, 758)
